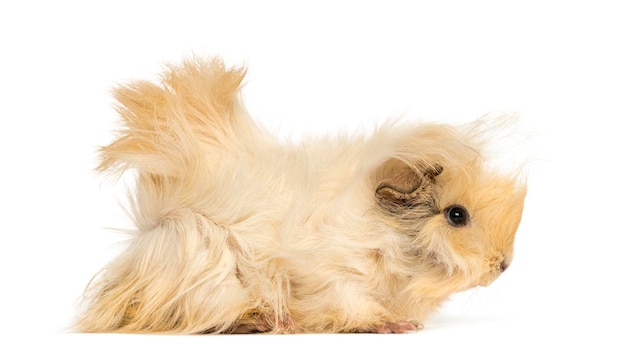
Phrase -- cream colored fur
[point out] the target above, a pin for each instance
(236, 232)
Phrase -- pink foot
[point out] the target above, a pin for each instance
(285, 325)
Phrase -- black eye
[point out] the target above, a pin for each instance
(456, 215)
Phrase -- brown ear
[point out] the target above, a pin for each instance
(405, 188)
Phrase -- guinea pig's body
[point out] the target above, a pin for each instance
(237, 232)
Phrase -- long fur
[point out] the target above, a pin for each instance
(236, 232)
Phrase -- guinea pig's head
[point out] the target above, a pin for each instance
(460, 219)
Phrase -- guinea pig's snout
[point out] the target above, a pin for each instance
(503, 266)
(505, 262)
(497, 265)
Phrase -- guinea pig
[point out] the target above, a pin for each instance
(238, 232)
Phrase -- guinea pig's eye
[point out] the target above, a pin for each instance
(457, 215)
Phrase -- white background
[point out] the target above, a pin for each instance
(323, 67)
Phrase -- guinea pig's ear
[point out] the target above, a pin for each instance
(406, 188)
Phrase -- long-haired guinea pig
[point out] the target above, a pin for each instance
(236, 231)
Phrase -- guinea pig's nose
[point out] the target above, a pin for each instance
(503, 266)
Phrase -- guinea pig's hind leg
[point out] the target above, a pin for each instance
(266, 324)
(251, 328)
(400, 327)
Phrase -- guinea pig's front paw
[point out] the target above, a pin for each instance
(401, 327)
(285, 325)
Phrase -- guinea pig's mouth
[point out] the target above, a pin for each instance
(487, 279)
(496, 268)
